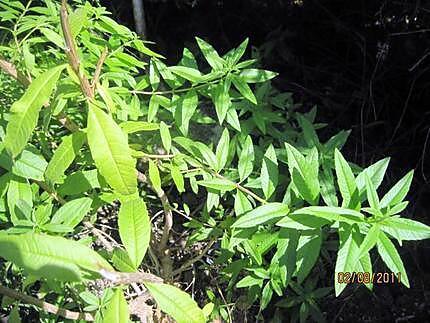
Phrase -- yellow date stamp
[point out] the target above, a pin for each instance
(346, 277)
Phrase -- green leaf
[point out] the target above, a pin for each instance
(165, 136)
(221, 99)
(212, 57)
(246, 159)
(328, 190)
(222, 150)
(72, 212)
(244, 89)
(178, 304)
(178, 178)
(136, 126)
(154, 75)
(19, 190)
(25, 111)
(52, 257)
(219, 184)
(262, 214)
(308, 250)
(64, 156)
(309, 133)
(238, 52)
(154, 175)
(254, 75)
(391, 257)
(269, 172)
(241, 203)
(304, 173)
(121, 260)
(111, 152)
(405, 229)
(116, 310)
(376, 174)
(286, 254)
(398, 192)
(134, 229)
(30, 164)
(369, 241)
(372, 195)
(185, 109)
(346, 182)
(153, 108)
(332, 213)
(349, 238)
(191, 74)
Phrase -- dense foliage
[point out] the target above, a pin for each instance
(231, 165)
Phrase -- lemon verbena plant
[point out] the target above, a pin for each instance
(110, 159)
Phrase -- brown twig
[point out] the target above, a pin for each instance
(71, 52)
(48, 307)
(192, 261)
(99, 69)
(10, 69)
(243, 189)
(118, 278)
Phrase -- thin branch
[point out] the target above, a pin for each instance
(71, 52)
(99, 69)
(10, 69)
(191, 261)
(48, 307)
(244, 189)
(118, 278)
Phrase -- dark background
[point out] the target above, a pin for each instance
(365, 64)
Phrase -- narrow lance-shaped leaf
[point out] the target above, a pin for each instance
(346, 181)
(134, 229)
(178, 178)
(405, 229)
(72, 212)
(64, 156)
(391, 257)
(154, 175)
(244, 89)
(116, 310)
(52, 257)
(178, 304)
(246, 159)
(253, 75)
(165, 136)
(222, 149)
(25, 111)
(110, 151)
(262, 214)
(221, 99)
(269, 172)
(214, 60)
(347, 255)
(218, 184)
(398, 192)
(185, 109)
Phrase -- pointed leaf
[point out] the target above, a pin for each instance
(52, 257)
(111, 152)
(178, 304)
(261, 215)
(25, 111)
(116, 310)
(64, 156)
(391, 257)
(134, 229)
